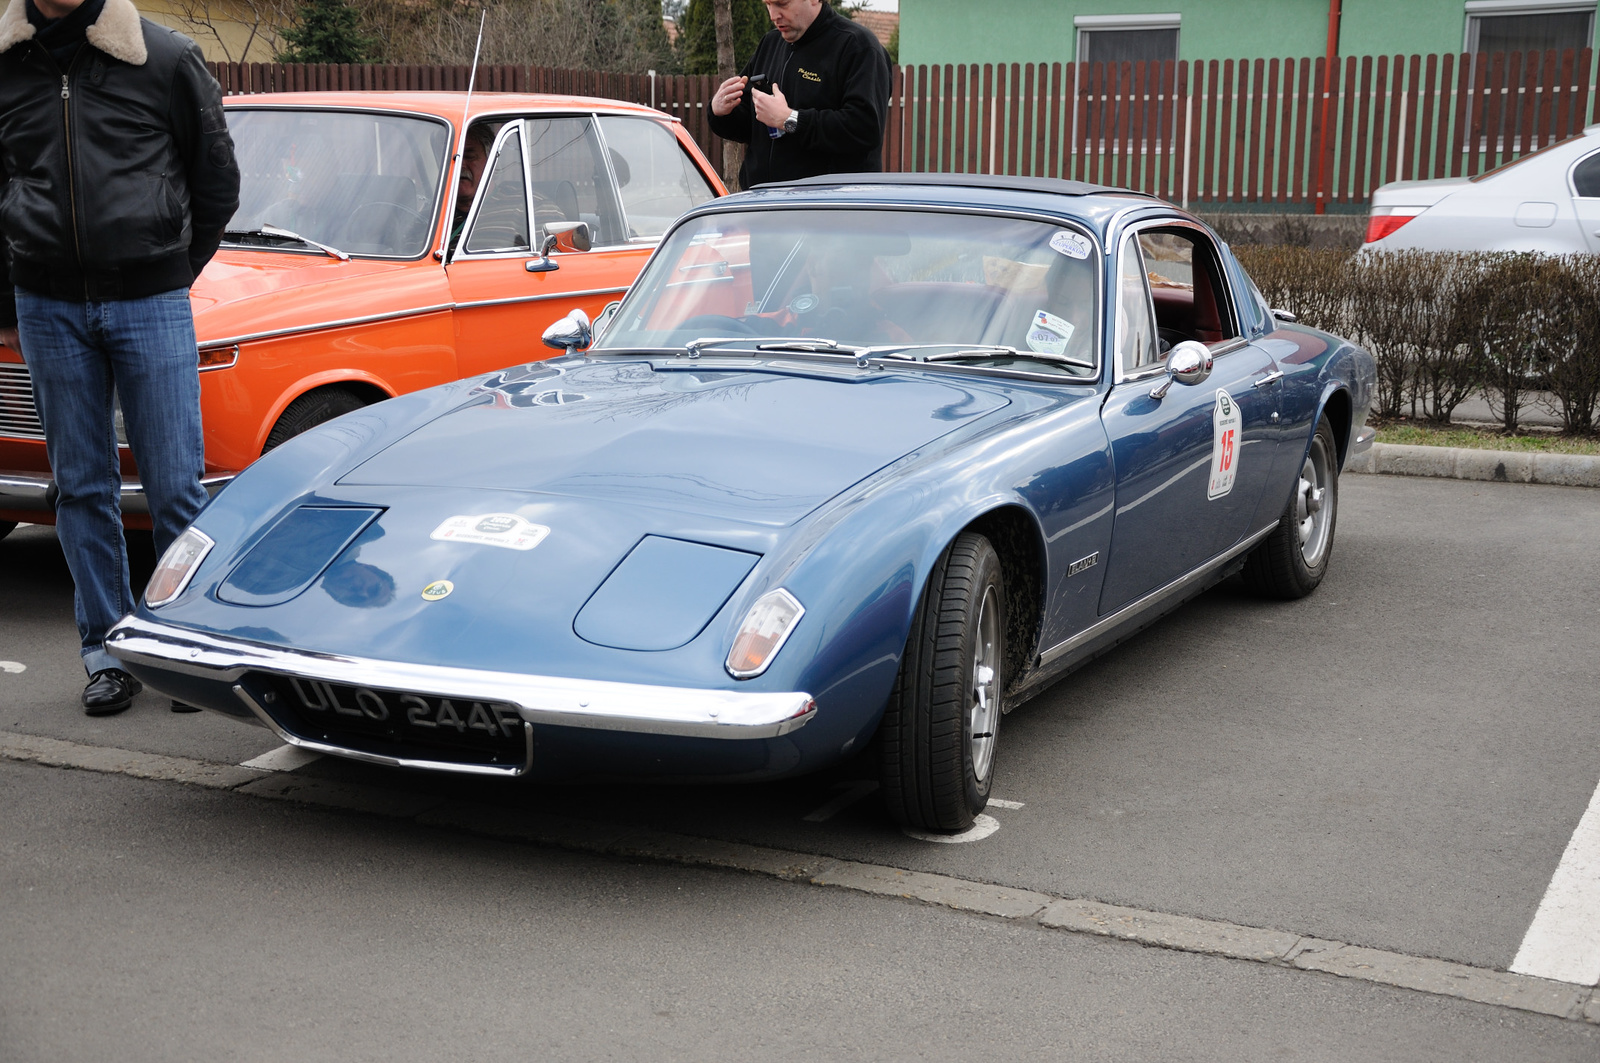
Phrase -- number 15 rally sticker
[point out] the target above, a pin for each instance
(1225, 424)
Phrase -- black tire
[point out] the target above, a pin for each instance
(943, 719)
(7, 527)
(310, 410)
(1292, 560)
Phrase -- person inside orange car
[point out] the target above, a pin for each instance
(474, 158)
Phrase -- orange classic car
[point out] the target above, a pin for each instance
(363, 263)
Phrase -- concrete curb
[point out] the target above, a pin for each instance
(1163, 930)
(1464, 463)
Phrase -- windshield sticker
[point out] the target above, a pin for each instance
(1048, 334)
(1225, 423)
(1070, 244)
(492, 529)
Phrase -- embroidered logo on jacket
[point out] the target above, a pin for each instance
(808, 75)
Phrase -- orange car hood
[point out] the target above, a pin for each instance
(247, 293)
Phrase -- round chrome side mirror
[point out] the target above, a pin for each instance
(1189, 362)
(571, 333)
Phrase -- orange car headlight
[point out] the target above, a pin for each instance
(766, 626)
(177, 567)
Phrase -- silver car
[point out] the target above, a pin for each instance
(1546, 201)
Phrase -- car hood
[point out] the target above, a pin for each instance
(246, 293)
(759, 442)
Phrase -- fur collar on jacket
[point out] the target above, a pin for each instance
(117, 32)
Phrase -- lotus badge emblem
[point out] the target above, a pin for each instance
(439, 588)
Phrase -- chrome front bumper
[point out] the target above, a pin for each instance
(586, 703)
(33, 492)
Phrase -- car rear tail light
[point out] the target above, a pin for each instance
(177, 567)
(1385, 220)
(766, 626)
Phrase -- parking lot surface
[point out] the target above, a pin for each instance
(1397, 762)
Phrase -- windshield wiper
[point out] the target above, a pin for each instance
(273, 232)
(977, 350)
(797, 344)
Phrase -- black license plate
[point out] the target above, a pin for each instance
(395, 722)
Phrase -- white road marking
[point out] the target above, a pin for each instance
(995, 802)
(981, 828)
(853, 792)
(13, 667)
(284, 758)
(1563, 943)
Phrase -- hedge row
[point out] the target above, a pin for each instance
(1520, 329)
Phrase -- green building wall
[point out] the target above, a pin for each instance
(1031, 31)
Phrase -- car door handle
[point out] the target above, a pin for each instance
(1271, 378)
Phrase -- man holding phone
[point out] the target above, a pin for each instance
(812, 100)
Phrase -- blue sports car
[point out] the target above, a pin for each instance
(857, 458)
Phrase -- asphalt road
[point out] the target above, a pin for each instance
(1397, 762)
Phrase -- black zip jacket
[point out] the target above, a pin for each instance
(119, 171)
(837, 76)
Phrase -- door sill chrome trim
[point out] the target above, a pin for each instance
(1149, 601)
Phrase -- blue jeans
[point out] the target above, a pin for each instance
(76, 354)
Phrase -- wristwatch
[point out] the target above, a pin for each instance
(791, 123)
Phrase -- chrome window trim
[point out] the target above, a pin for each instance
(513, 299)
(591, 704)
(514, 128)
(1129, 238)
(1218, 349)
(438, 199)
(1059, 221)
(616, 188)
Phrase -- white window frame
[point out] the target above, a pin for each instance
(1086, 24)
(1476, 9)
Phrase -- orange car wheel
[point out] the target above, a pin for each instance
(310, 410)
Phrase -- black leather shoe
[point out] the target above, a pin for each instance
(109, 691)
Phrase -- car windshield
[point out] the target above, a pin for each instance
(362, 182)
(903, 280)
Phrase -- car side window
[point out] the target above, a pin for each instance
(1187, 286)
(502, 220)
(1586, 176)
(569, 179)
(1137, 348)
(657, 179)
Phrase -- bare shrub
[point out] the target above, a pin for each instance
(1314, 285)
(1396, 318)
(1573, 369)
(1448, 367)
(623, 36)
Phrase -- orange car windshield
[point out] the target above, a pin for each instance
(365, 183)
(870, 277)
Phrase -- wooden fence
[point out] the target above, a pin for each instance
(1290, 132)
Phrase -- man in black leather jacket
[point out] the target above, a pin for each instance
(119, 179)
(823, 102)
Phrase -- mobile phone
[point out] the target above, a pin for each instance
(762, 82)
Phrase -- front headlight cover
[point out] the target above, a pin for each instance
(766, 627)
(177, 567)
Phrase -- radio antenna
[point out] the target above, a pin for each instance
(461, 143)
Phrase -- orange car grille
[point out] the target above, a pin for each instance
(18, 418)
